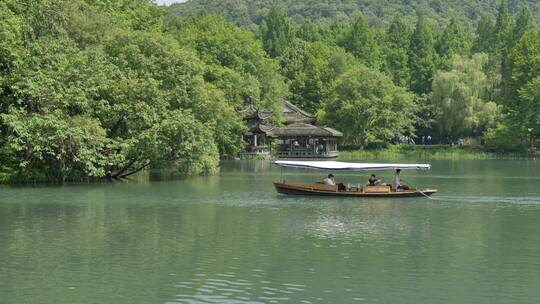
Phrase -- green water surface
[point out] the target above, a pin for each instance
(231, 239)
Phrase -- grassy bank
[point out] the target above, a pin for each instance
(423, 152)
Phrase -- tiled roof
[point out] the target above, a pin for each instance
(303, 129)
(294, 114)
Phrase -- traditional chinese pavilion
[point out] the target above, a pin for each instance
(257, 137)
(299, 137)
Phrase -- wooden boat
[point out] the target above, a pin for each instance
(321, 189)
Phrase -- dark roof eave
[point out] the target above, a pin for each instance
(305, 130)
(297, 109)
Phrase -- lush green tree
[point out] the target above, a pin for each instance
(277, 32)
(311, 69)
(505, 137)
(139, 15)
(396, 58)
(485, 42)
(485, 35)
(459, 99)
(168, 79)
(360, 41)
(11, 39)
(47, 134)
(52, 146)
(87, 24)
(80, 102)
(503, 26)
(368, 108)
(106, 88)
(520, 123)
(524, 22)
(332, 33)
(249, 13)
(237, 63)
(308, 31)
(524, 63)
(422, 57)
(529, 109)
(117, 111)
(454, 40)
(503, 42)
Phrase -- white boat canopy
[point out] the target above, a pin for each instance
(344, 166)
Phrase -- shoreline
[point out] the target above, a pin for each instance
(392, 153)
(434, 152)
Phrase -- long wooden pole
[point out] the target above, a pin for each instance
(424, 194)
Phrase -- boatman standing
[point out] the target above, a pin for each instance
(396, 182)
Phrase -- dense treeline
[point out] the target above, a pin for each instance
(251, 13)
(105, 89)
(377, 84)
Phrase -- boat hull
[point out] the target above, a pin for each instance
(300, 189)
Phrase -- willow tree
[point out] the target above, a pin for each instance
(459, 97)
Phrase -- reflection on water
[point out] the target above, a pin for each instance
(232, 239)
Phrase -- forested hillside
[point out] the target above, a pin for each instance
(379, 70)
(104, 89)
(377, 12)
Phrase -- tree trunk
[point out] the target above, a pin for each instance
(135, 171)
(124, 169)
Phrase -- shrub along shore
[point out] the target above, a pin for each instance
(432, 152)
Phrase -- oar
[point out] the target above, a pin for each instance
(424, 194)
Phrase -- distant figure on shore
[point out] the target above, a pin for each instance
(374, 181)
(396, 182)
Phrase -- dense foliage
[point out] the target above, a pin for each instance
(379, 70)
(105, 89)
(368, 108)
(250, 13)
(460, 99)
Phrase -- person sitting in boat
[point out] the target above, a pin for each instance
(396, 182)
(374, 181)
(331, 181)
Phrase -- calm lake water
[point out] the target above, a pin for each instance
(231, 239)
